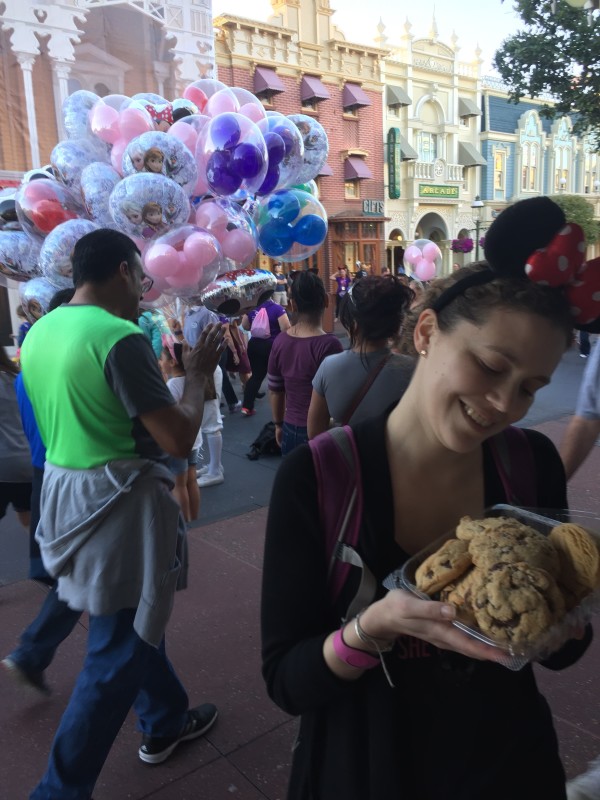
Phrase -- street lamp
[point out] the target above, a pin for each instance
(597, 186)
(563, 184)
(476, 208)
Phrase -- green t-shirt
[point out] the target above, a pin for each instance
(89, 375)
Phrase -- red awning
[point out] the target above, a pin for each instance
(266, 80)
(325, 171)
(354, 96)
(355, 168)
(311, 88)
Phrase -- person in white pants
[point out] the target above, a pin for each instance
(212, 425)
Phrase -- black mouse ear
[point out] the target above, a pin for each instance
(519, 231)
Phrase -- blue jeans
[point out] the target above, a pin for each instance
(120, 670)
(54, 622)
(292, 436)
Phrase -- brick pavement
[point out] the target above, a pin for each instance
(214, 643)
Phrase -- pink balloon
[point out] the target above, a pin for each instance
(200, 249)
(200, 188)
(104, 122)
(412, 254)
(431, 251)
(425, 270)
(154, 293)
(185, 277)
(196, 95)
(162, 261)
(239, 246)
(253, 111)
(213, 218)
(116, 155)
(221, 102)
(185, 133)
(133, 122)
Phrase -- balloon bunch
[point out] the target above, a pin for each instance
(200, 183)
(423, 259)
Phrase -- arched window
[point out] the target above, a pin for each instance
(525, 156)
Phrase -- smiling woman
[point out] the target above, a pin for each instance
(487, 339)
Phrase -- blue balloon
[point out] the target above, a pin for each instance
(275, 238)
(284, 206)
(225, 131)
(275, 148)
(310, 230)
(247, 160)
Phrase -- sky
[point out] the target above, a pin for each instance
(483, 22)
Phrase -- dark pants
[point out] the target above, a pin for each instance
(292, 436)
(228, 390)
(258, 354)
(120, 670)
(584, 343)
(55, 620)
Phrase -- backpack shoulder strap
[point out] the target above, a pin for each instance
(340, 498)
(516, 467)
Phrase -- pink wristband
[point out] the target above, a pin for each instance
(351, 655)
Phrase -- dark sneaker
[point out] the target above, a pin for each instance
(260, 395)
(155, 750)
(32, 680)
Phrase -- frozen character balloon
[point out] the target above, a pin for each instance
(35, 297)
(154, 160)
(152, 219)
(55, 255)
(162, 155)
(97, 182)
(316, 146)
(19, 255)
(136, 192)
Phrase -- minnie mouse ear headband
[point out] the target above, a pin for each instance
(161, 113)
(533, 239)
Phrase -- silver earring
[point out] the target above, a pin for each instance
(423, 353)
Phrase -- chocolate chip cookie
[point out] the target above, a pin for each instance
(449, 562)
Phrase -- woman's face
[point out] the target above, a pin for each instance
(153, 217)
(475, 381)
(134, 216)
(137, 159)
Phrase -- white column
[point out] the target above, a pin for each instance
(26, 62)
(60, 80)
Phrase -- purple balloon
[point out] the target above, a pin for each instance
(275, 148)
(287, 137)
(271, 180)
(225, 131)
(219, 173)
(247, 160)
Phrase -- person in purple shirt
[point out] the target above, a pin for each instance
(260, 349)
(295, 358)
(342, 281)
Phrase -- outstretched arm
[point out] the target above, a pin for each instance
(579, 438)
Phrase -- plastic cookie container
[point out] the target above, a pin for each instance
(512, 589)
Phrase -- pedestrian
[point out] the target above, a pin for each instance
(15, 460)
(295, 358)
(55, 620)
(342, 282)
(110, 531)
(364, 380)
(579, 438)
(456, 724)
(280, 294)
(151, 331)
(259, 348)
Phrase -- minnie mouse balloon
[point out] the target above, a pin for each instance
(161, 154)
(43, 204)
(316, 146)
(147, 205)
(238, 291)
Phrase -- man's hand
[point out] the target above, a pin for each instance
(203, 358)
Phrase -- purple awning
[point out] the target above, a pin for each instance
(311, 88)
(267, 80)
(325, 170)
(355, 168)
(354, 96)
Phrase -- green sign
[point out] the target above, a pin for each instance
(438, 192)
(393, 159)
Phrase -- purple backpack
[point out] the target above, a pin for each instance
(341, 500)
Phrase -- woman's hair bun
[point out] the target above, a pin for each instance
(519, 231)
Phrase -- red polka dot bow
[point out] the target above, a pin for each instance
(162, 113)
(561, 263)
